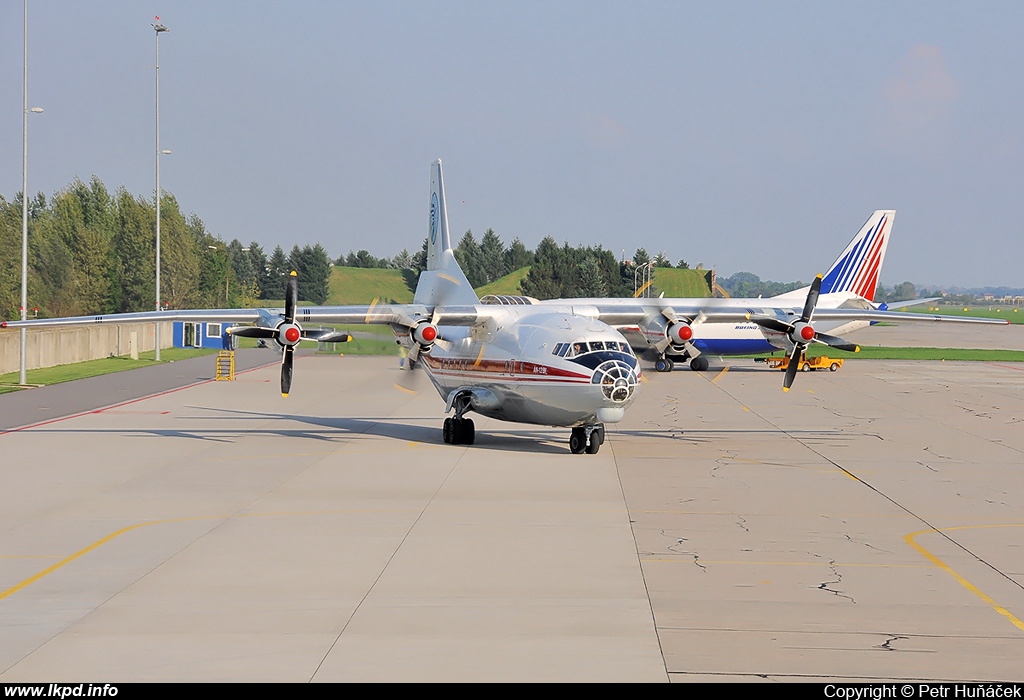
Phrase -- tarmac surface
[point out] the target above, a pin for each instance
(865, 526)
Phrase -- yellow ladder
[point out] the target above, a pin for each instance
(226, 365)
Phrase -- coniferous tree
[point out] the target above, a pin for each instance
(314, 285)
(492, 256)
(517, 256)
(468, 256)
(277, 275)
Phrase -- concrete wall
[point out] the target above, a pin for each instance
(47, 347)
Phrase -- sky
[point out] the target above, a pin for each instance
(746, 136)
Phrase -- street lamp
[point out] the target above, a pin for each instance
(24, 209)
(159, 29)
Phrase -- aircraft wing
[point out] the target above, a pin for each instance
(198, 315)
(633, 313)
(400, 314)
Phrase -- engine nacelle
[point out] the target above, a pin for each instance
(424, 334)
(679, 334)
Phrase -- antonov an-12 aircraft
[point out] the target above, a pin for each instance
(513, 358)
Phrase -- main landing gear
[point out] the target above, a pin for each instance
(459, 431)
(666, 364)
(587, 438)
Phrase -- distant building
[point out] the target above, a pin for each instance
(209, 335)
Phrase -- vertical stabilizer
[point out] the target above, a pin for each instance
(438, 238)
(857, 268)
(443, 283)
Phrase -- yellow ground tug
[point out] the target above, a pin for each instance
(807, 364)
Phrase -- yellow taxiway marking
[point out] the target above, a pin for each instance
(402, 388)
(746, 409)
(67, 560)
(720, 374)
(910, 539)
(117, 533)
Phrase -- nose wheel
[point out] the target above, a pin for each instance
(588, 438)
(459, 431)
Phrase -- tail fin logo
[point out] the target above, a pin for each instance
(433, 218)
(858, 267)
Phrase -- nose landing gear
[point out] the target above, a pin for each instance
(587, 438)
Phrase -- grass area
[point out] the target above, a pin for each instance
(509, 284)
(95, 368)
(677, 283)
(359, 285)
(1013, 314)
(880, 353)
(366, 340)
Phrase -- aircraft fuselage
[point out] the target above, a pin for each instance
(529, 365)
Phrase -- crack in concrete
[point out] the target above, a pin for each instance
(702, 567)
(742, 523)
(865, 544)
(824, 585)
(887, 644)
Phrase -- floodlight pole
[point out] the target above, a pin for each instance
(25, 201)
(24, 208)
(158, 28)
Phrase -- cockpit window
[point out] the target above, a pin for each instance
(578, 348)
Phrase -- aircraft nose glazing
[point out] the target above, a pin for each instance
(617, 380)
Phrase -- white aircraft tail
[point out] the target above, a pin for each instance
(858, 266)
(443, 283)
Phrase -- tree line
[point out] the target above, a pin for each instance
(555, 271)
(93, 252)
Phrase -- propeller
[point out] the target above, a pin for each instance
(801, 333)
(680, 330)
(287, 333)
(290, 333)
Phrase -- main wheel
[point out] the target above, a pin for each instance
(446, 431)
(595, 443)
(577, 441)
(662, 365)
(468, 431)
(699, 364)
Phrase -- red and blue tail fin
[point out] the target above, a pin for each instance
(858, 266)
